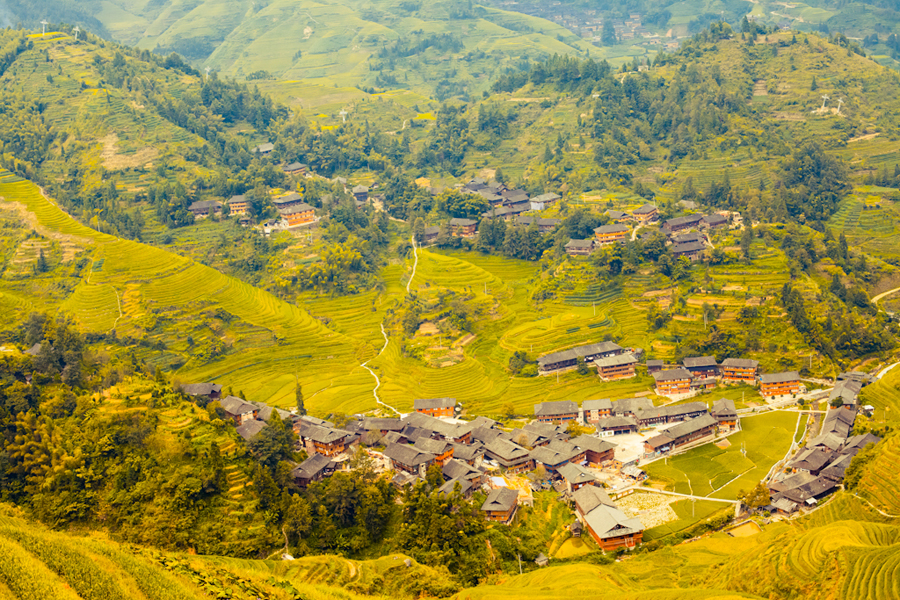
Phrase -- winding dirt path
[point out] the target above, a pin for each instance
(377, 379)
(415, 264)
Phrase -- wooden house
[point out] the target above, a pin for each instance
(611, 426)
(618, 216)
(463, 227)
(501, 505)
(264, 148)
(566, 359)
(579, 247)
(203, 208)
(681, 434)
(250, 428)
(673, 382)
(210, 391)
(431, 234)
(294, 168)
(779, 384)
(556, 412)
(314, 468)
(238, 205)
(712, 221)
(508, 455)
(646, 213)
(681, 223)
(238, 410)
(576, 477)
(606, 524)
(596, 450)
(701, 366)
(436, 407)
(654, 366)
(610, 234)
(360, 193)
(543, 225)
(321, 440)
(594, 410)
(740, 370)
(441, 449)
(619, 366)
(725, 414)
(692, 250)
(544, 201)
(404, 457)
(556, 454)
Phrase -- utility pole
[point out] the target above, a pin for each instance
(44, 24)
(519, 556)
(824, 100)
(840, 102)
(207, 69)
(75, 31)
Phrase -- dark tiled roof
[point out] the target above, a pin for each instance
(740, 363)
(548, 409)
(672, 375)
(699, 361)
(611, 229)
(407, 455)
(500, 500)
(780, 377)
(201, 389)
(432, 403)
(250, 429)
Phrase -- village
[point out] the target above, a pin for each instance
(590, 454)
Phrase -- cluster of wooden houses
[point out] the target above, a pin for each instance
(818, 467)
(691, 421)
(611, 360)
(685, 234)
(507, 203)
(701, 373)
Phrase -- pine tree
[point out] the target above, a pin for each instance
(41, 265)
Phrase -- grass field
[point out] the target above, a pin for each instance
(711, 471)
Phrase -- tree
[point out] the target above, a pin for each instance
(813, 86)
(746, 241)
(274, 443)
(582, 366)
(608, 35)
(298, 396)
(41, 265)
(419, 229)
(757, 497)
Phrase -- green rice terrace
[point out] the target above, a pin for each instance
(788, 556)
(216, 328)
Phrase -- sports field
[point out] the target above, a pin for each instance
(721, 473)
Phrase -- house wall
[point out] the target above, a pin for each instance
(678, 386)
(609, 238)
(738, 374)
(300, 218)
(437, 412)
(596, 414)
(616, 372)
(779, 389)
(558, 418)
(503, 517)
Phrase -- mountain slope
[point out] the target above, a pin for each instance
(262, 343)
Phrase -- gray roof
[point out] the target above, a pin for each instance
(688, 247)
(202, 204)
(237, 406)
(616, 360)
(360, 189)
(612, 422)
(724, 408)
(267, 147)
(457, 469)
(455, 222)
(740, 363)
(590, 497)
(526, 220)
(505, 450)
(686, 220)
(714, 219)
(201, 389)
(579, 351)
(431, 446)
(312, 466)
(580, 244)
(265, 412)
(700, 361)
(450, 486)
(407, 455)
(616, 228)
(432, 403)
(293, 210)
(382, 424)
(500, 500)
(592, 443)
(287, 198)
(690, 426)
(780, 377)
(561, 407)
(576, 474)
(323, 435)
(632, 405)
(607, 521)
(644, 210)
(672, 374)
(602, 404)
(435, 425)
(250, 429)
(554, 453)
(467, 451)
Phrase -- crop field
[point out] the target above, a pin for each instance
(884, 395)
(711, 471)
(688, 512)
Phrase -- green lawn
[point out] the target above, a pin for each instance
(711, 471)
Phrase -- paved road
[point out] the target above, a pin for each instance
(883, 295)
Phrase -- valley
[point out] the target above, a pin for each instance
(356, 300)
